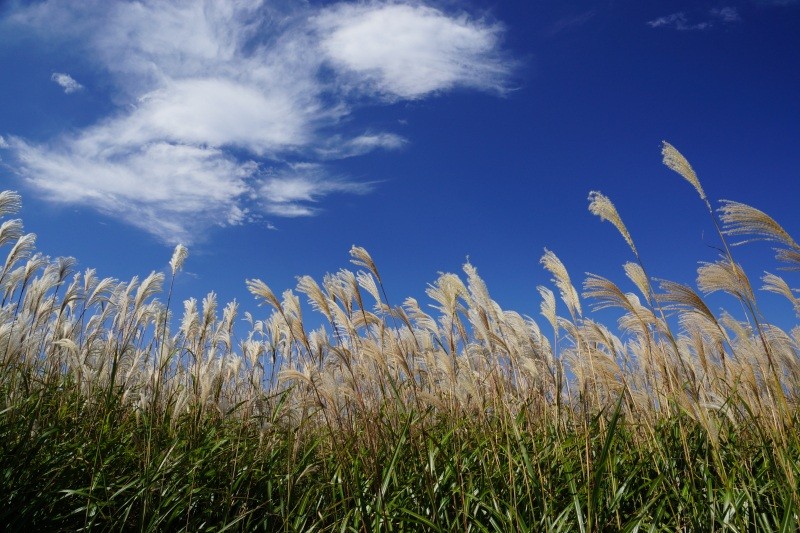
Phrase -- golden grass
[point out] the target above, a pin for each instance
(668, 350)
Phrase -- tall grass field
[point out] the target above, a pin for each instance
(122, 409)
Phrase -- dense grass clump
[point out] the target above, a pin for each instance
(390, 419)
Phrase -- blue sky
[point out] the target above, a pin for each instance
(270, 136)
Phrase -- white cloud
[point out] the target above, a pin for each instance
(726, 14)
(677, 21)
(337, 148)
(293, 193)
(172, 191)
(680, 21)
(216, 101)
(572, 22)
(219, 112)
(3, 142)
(66, 82)
(409, 51)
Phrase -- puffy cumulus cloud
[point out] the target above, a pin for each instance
(409, 51)
(66, 82)
(219, 112)
(230, 108)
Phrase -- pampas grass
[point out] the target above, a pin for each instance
(455, 414)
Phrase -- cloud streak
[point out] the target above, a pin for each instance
(231, 108)
(726, 14)
(681, 22)
(296, 191)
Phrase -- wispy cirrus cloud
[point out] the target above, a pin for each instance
(231, 108)
(571, 22)
(726, 14)
(66, 82)
(295, 191)
(680, 21)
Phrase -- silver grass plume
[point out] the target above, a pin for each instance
(319, 302)
(675, 161)
(150, 286)
(10, 230)
(548, 305)
(259, 288)
(362, 258)
(792, 257)
(209, 311)
(421, 319)
(65, 266)
(178, 257)
(725, 276)
(477, 289)
(677, 296)
(680, 297)
(367, 282)
(639, 319)
(741, 219)
(601, 206)
(10, 203)
(778, 285)
(561, 278)
(191, 318)
(446, 291)
(636, 274)
(22, 249)
(605, 294)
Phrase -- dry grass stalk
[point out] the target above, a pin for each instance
(467, 356)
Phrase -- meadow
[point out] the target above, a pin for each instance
(122, 409)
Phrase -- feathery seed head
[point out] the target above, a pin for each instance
(319, 302)
(178, 257)
(636, 274)
(679, 296)
(259, 288)
(561, 278)
(790, 256)
(600, 205)
(548, 305)
(675, 161)
(362, 258)
(605, 293)
(10, 203)
(778, 285)
(10, 230)
(741, 219)
(724, 276)
(367, 282)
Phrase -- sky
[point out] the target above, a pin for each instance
(270, 136)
